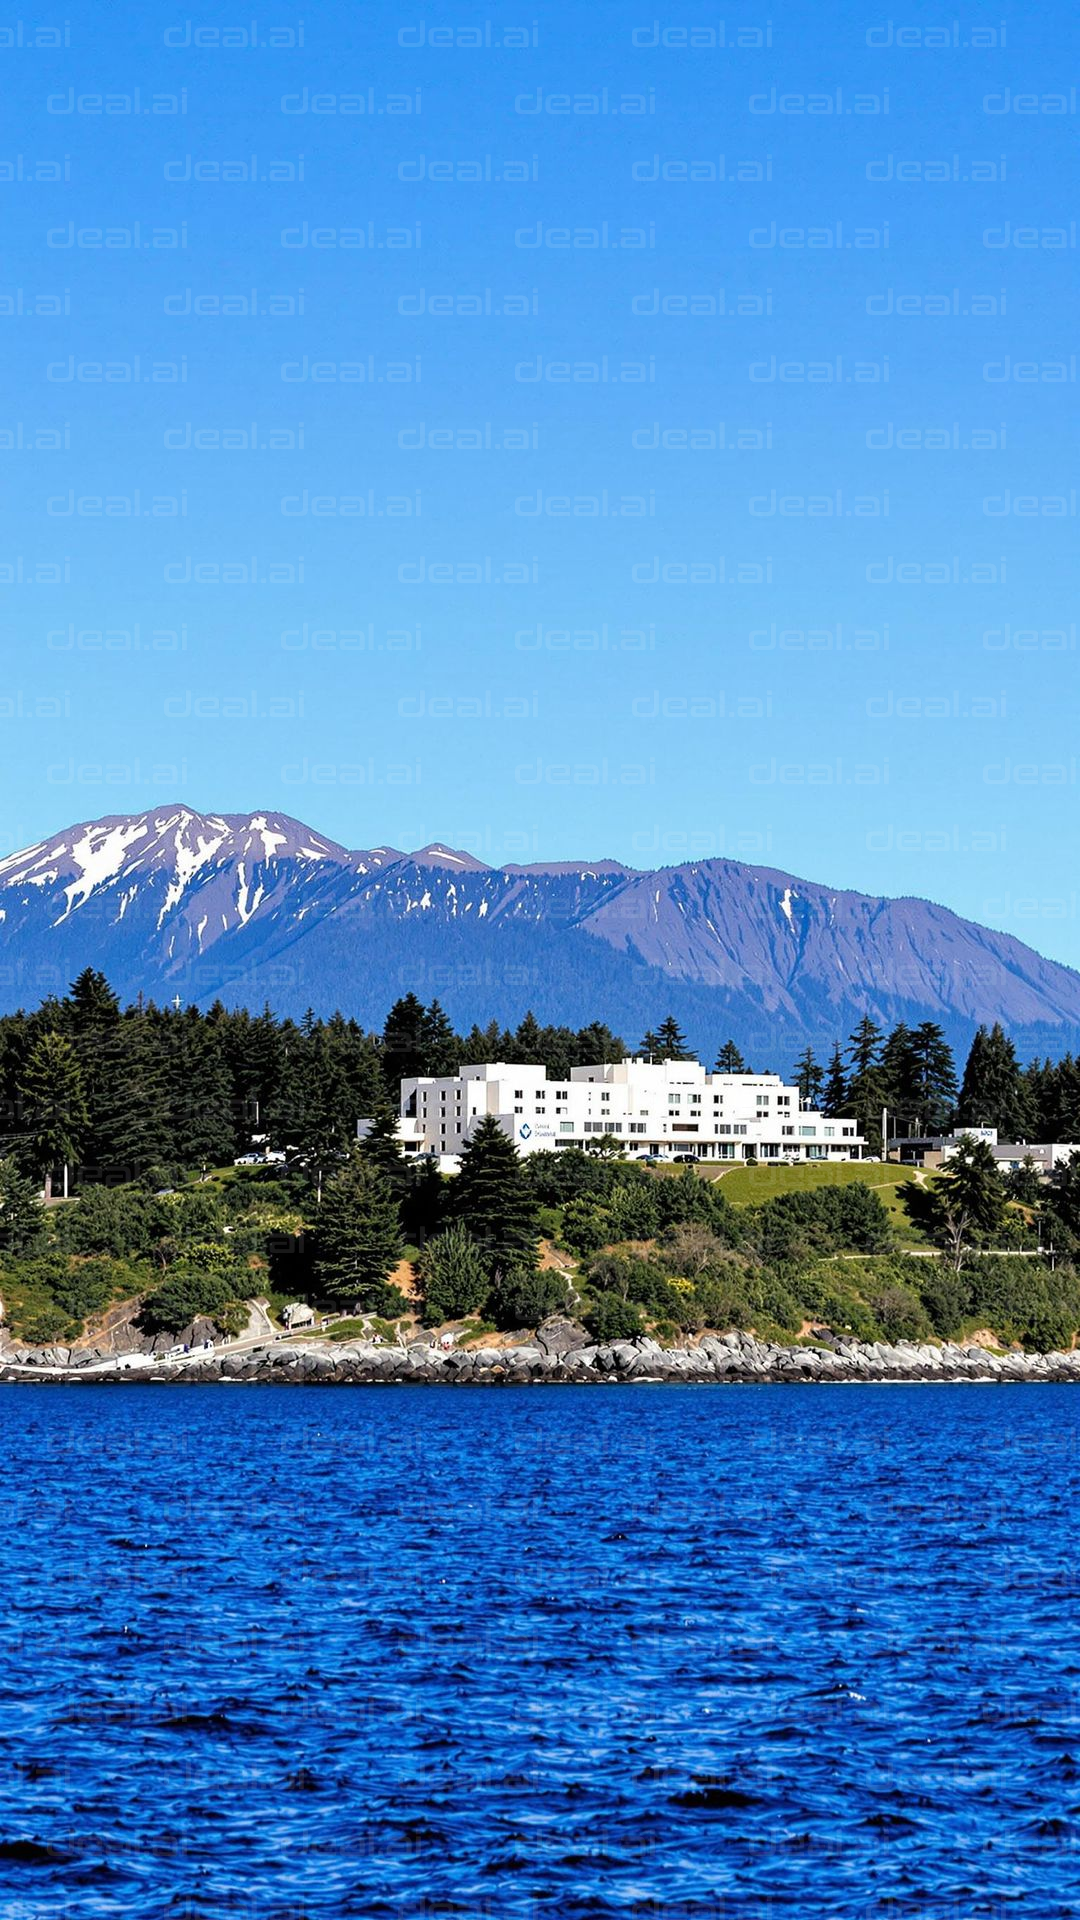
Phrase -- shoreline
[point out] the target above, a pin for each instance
(730, 1360)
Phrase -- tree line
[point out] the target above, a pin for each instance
(104, 1093)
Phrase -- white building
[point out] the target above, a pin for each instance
(672, 1108)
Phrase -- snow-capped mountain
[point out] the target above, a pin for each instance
(257, 907)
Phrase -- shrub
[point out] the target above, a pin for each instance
(112, 1220)
(947, 1299)
(48, 1324)
(613, 1319)
(585, 1227)
(86, 1288)
(453, 1276)
(185, 1296)
(722, 1303)
(521, 1298)
(901, 1314)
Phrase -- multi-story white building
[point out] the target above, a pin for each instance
(670, 1108)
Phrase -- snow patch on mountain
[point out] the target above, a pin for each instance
(99, 856)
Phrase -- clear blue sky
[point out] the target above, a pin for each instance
(665, 433)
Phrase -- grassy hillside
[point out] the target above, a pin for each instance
(751, 1186)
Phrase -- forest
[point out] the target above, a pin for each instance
(127, 1122)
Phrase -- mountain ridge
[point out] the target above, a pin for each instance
(259, 906)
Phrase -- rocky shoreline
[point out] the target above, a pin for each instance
(562, 1355)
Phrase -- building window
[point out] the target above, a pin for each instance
(566, 1126)
(808, 1133)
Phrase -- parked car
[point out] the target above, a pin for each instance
(248, 1160)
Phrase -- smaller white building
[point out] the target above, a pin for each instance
(667, 1109)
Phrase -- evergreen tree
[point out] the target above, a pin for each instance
(359, 1236)
(311, 1113)
(897, 1075)
(380, 1148)
(809, 1078)
(866, 1085)
(730, 1060)
(596, 1045)
(20, 1210)
(131, 1130)
(492, 1198)
(667, 1043)
(528, 1043)
(54, 1109)
(933, 1077)
(93, 1021)
(993, 1092)
(198, 1093)
(453, 1275)
(403, 1054)
(966, 1203)
(484, 1044)
(1024, 1184)
(439, 1043)
(835, 1102)
(1065, 1196)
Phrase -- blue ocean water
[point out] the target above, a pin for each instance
(284, 1652)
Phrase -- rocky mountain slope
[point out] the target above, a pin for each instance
(257, 907)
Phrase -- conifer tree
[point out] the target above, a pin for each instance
(596, 1045)
(381, 1149)
(358, 1236)
(55, 1118)
(440, 1045)
(965, 1204)
(198, 1093)
(491, 1197)
(866, 1087)
(20, 1209)
(932, 1077)
(311, 1113)
(729, 1059)
(403, 1042)
(809, 1078)
(993, 1092)
(453, 1275)
(667, 1043)
(835, 1099)
(131, 1132)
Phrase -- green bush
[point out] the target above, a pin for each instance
(613, 1319)
(87, 1287)
(453, 1275)
(184, 1296)
(46, 1325)
(522, 1298)
(900, 1314)
(109, 1220)
(585, 1227)
(946, 1296)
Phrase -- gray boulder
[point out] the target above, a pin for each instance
(559, 1335)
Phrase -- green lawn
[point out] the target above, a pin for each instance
(744, 1186)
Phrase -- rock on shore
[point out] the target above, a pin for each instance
(565, 1357)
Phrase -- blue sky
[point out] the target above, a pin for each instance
(631, 434)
